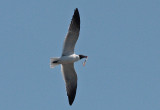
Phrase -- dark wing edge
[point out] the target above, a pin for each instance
(75, 22)
(70, 78)
(71, 93)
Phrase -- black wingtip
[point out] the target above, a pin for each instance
(76, 17)
(71, 98)
(76, 10)
(70, 103)
(71, 95)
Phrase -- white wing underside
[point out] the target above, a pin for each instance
(69, 43)
(70, 78)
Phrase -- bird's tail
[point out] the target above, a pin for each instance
(54, 62)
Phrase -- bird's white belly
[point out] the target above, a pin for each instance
(68, 59)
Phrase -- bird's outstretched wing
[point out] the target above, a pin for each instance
(72, 35)
(70, 78)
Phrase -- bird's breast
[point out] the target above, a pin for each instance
(68, 59)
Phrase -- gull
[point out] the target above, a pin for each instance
(68, 57)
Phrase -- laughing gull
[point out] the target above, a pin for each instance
(69, 57)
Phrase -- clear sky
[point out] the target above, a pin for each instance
(121, 38)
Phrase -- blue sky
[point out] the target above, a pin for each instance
(121, 38)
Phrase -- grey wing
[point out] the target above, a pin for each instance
(70, 78)
(72, 35)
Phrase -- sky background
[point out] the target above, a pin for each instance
(120, 37)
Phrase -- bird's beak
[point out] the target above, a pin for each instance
(85, 56)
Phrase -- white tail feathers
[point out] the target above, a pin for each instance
(52, 65)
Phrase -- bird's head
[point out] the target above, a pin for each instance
(82, 56)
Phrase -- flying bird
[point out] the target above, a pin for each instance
(68, 57)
